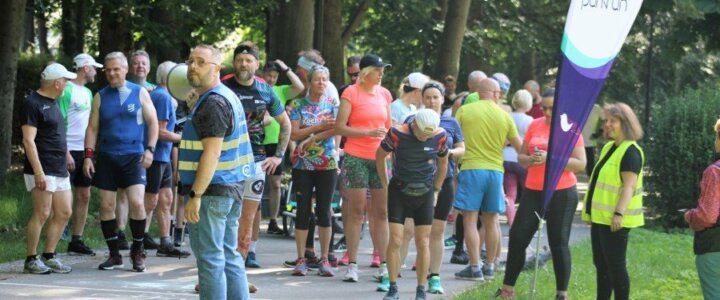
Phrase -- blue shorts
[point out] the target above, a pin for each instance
(114, 172)
(480, 190)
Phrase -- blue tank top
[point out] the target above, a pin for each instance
(122, 128)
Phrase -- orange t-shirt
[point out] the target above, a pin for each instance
(537, 135)
(368, 111)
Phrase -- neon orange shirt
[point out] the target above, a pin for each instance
(537, 135)
(368, 111)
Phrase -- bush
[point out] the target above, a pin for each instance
(679, 148)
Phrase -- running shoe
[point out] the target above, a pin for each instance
(301, 268)
(273, 228)
(375, 260)
(332, 260)
(138, 261)
(459, 258)
(434, 285)
(488, 272)
(111, 263)
(344, 260)
(36, 266)
(392, 293)
(384, 284)
(171, 251)
(56, 265)
(420, 293)
(468, 274)
(252, 288)
(149, 243)
(381, 273)
(313, 262)
(251, 261)
(122, 241)
(325, 269)
(450, 242)
(340, 246)
(351, 275)
(79, 248)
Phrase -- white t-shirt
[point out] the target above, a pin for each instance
(400, 111)
(75, 104)
(522, 121)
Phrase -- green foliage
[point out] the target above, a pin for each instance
(651, 274)
(679, 148)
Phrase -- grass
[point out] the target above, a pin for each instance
(661, 266)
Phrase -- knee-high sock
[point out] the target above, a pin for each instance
(109, 229)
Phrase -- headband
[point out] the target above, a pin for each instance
(305, 63)
(242, 49)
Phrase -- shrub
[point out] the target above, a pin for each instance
(679, 148)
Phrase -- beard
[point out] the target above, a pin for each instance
(244, 75)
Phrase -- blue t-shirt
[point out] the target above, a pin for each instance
(414, 160)
(162, 101)
(400, 111)
(322, 155)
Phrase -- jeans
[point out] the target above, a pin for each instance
(708, 268)
(213, 240)
(559, 216)
(609, 251)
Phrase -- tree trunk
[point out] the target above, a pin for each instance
(73, 27)
(333, 50)
(290, 30)
(452, 38)
(41, 18)
(28, 37)
(11, 28)
(355, 20)
(526, 71)
(438, 15)
(114, 32)
(168, 45)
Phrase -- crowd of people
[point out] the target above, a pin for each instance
(409, 165)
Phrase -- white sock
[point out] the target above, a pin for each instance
(253, 245)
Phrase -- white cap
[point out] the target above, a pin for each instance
(417, 80)
(83, 59)
(56, 71)
(427, 119)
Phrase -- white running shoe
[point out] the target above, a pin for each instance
(381, 272)
(352, 273)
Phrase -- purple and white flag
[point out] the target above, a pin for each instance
(594, 33)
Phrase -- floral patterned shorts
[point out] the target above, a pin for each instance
(358, 173)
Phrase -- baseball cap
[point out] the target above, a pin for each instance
(84, 59)
(373, 60)
(427, 119)
(56, 71)
(417, 80)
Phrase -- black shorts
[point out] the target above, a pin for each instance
(445, 200)
(114, 172)
(270, 151)
(159, 176)
(401, 206)
(77, 177)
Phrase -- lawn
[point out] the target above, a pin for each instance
(661, 266)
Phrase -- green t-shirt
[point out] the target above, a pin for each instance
(486, 128)
(472, 98)
(272, 130)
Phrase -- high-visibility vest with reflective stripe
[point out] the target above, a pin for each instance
(236, 162)
(608, 188)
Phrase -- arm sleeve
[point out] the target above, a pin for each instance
(442, 145)
(214, 117)
(706, 213)
(631, 161)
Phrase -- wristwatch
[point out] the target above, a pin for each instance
(279, 155)
(151, 148)
(193, 195)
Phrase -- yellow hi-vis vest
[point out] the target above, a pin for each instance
(608, 187)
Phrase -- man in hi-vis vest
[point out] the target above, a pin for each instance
(215, 160)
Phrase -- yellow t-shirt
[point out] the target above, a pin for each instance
(486, 128)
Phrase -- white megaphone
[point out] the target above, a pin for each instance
(177, 82)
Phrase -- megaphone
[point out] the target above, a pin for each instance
(177, 82)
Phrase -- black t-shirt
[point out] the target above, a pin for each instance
(214, 118)
(43, 113)
(631, 162)
(414, 160)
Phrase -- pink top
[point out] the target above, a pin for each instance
(368, 111)
(538, 135)
(706, 214)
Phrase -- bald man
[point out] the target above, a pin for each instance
(534, 88)
(474, 80)
(487, 128)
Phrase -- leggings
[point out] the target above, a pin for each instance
(609, 251)
(559, 217)
(323, 184)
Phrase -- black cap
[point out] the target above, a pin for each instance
(373, 60)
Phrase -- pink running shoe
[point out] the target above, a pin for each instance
(375, 260)
(344, 260)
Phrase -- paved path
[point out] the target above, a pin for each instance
(168, 278)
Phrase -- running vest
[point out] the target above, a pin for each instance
(122, 128)
(608, 187)
(236, 162)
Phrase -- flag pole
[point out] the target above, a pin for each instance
(541, 222)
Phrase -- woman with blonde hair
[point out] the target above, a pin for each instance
(613, 203)
(514, 172)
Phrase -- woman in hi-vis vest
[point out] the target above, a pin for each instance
(613, 203)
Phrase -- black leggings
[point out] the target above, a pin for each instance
(559, 217)
(609, 251)
(323, 183)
